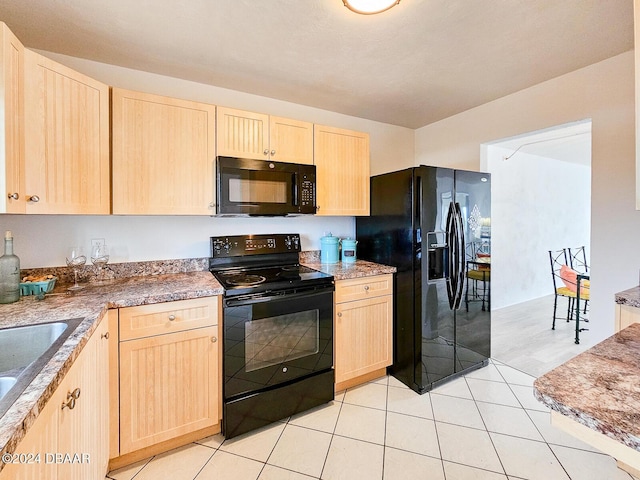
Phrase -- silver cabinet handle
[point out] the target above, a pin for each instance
(172, 318)
(366, 287)
(14, 196)
(339, 314)
(34, 198)
(214, 339)
(266, 151)
(273, 152)
(71, 399)
(105, 335)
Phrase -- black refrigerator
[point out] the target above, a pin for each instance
(434, 225)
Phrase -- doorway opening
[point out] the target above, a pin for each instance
(541, 201)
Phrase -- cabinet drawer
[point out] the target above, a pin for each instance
(170, 317)
(365, 287)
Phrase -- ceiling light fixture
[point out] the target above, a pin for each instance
(368, 7)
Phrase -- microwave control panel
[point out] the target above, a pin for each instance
(307, 193)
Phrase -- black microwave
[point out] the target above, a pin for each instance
(261, 187)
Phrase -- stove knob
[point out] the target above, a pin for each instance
(284, 369)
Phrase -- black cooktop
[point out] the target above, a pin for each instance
(248, 264)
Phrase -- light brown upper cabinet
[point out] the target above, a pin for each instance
(342, 176)
(66, 139)
(263, 137)
(12, 186)
(163, 155)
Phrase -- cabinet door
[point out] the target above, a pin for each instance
(83, 431)
(626, 315)
(290, 140)
(163, 155)
(168, 387)
(342, 171)
(66, 138)
(242, 134)
(363, 337)
(12, 180)
(42, 438)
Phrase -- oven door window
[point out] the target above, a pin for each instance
(268, 343)
(275, 340)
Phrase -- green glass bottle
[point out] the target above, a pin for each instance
(9, 272)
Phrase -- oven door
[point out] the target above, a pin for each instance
(275, 339)
(256, 187)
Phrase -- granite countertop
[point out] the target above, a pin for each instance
(343, 270)
(600, 388)
(91, 304)
(630, 297)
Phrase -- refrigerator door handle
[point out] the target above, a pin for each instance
(461, 256)
(451, 243)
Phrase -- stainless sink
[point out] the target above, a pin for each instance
(24, 351)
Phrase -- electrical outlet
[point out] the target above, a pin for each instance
(97, 242)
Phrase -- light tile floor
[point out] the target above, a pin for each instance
(484, 426)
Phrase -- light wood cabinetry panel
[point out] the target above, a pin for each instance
(625, 316)
(84, 429)
(42, 438)
(12, 167)
(362, 288)
(163, 155)
(290, 140)
(342, 171)
(170, 317)
(262, 137)
(363, 337)
(363, 329)
(81, 432)
(168, 387)
(242, 134)
(66, 138)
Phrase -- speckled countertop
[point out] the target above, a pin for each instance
(600, 388)
(91, 303)
(630, 297)
(342, 270)
(130, 284)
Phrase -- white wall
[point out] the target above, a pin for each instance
(41, 240)
(537, 204)
(603, 92)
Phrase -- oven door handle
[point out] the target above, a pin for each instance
(232, 302)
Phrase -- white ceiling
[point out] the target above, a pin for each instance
(417, 63)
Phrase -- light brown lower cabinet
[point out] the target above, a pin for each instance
(363, 329)
(625, 316)
(169, 386)
(69, 439)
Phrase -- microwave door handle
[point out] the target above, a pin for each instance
(295, 193)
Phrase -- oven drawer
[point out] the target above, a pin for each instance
(170, 317)
(364, 287)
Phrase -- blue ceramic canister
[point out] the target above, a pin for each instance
(329, 249)
(349, 250)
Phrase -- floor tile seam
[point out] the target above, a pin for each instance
(287, 469)
(205, 463)
(276, 443)
(366, 406)
(144, 466)
(477, 468)
(333, 434)
(411, 415)
(197, 442)
(414, 452)
(370, 442)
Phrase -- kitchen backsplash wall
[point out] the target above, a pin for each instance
(42, 240)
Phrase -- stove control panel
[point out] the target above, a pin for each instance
(243, 245)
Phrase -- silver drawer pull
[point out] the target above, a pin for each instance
(105, 335)
(340, 314)
(214, 339)
(366, 287)
(172, 317)
(34, 198)
(14, 196)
